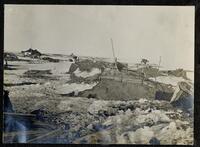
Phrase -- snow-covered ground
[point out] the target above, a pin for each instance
(86, 74)
(173, 80)
(56, 68)
(132, 122)
(190, 75)
(74, 87)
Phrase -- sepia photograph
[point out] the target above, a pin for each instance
(98, 74)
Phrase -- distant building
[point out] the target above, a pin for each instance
(31, 53)
(10, 57)
(75, 58)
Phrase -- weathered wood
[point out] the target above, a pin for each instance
(134, 81)
(9, 134)
(43, 125)
(94, 137)
(52, 133)
(19, 114)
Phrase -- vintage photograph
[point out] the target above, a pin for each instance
(91, 74)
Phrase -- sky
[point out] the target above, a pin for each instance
(137, 31)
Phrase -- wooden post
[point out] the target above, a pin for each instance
(158, 67)
(49, 134)
(113, 51)
(6, 62)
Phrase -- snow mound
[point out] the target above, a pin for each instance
(86, 74)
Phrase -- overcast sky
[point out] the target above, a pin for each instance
(137, 31)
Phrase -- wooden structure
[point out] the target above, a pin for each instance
(35, 131)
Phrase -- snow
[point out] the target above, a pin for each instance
(142, 135)
(66, 105)
(137, 125)
(190, 75)
(68, 88)
(60, 57)
(155, 116)
(168, 80)
(142, 100)
(86, 74)
(97, 105)
(11, 79)
(163, 128)
(59, 68)
(74, 104)
(56, 68)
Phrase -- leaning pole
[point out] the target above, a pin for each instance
(113, 51)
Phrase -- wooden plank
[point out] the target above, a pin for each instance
(52, 133)
(94, 137)
(127, 80)
(9, 134)
(43, 125)
(19, 114)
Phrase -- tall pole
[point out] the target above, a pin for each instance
(158, 67)
(159, 62)
(113, 53)
(112, 48)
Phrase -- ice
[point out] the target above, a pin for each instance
(56, 68)
(97, 105)
(190, 75)
(74, 104)
(155, 116)
(168, 80)
(167, 131)
(142, 135)
(60, 57)
(86, 74)
(12, 79)
(66, 105)
(134, 121)
(68, 88)
(142, 100)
